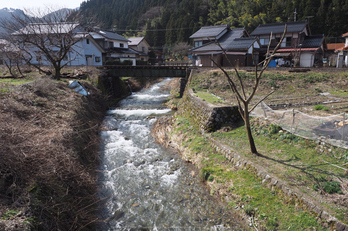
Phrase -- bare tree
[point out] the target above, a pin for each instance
(240, 92)
(45, 37)
(11, 57)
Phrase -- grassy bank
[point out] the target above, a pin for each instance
(315, 168)
(240, 189)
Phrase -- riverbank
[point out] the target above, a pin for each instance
(49, 138)
(231, 175)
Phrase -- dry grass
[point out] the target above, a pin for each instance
(49, 150)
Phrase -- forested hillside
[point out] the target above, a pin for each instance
(171, 21)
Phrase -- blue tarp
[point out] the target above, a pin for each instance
(273, 63)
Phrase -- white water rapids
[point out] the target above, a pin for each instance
(146, 186)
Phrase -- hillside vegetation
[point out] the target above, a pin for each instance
(165, 22)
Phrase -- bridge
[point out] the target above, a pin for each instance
(111, 81)
(149, 71)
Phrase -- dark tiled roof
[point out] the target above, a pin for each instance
(241, 43)
(112, 35)
(231, 40)
(313, 41)
(278, 28)
(209, 31)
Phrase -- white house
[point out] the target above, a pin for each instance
(115, 46)
(342, 53)
(59, 38)
(141, 45)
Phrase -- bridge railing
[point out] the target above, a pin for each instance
(147, 71)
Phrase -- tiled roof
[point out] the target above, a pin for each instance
(227, 42)
(278, 28)
(209, 31)
(313, 41)
(135, 41)
(112, 36)
(335, 46)
(47, 28)
(241, 43)
(297, 49)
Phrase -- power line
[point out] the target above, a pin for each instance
(171, 29)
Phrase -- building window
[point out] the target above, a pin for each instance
(143, 49)
(198, 43)
(111, 44)
(87, 41)
(121, 45)
(264, 41)
(97, 59)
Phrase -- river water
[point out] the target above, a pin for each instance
(146, 186)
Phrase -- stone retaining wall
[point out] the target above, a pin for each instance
(207, 116)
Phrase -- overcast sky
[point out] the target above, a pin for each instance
(35, 4)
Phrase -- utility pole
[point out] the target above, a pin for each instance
(295, 13)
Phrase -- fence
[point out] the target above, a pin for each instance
(330, 129)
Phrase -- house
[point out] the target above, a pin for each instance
(59, 38)
(209, 43)
(115, 46)
(299, 47)
(332, 53)
(342, 53)
(141, 45)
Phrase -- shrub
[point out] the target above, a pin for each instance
(321, 107)
(332, 187)
(274, 129)
(204, 174)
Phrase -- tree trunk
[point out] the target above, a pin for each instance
(248, 129)
(57, 71)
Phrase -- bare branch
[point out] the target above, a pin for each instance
(261, 101)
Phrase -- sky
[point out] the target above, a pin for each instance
(36, 4)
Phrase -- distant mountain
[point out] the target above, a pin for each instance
(6, 13)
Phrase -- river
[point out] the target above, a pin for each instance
(146, 186)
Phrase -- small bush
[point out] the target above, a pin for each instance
(328, 186)
(204, 174)
(332, 187)
(274, 129)
(288, 137)
(321, 107)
